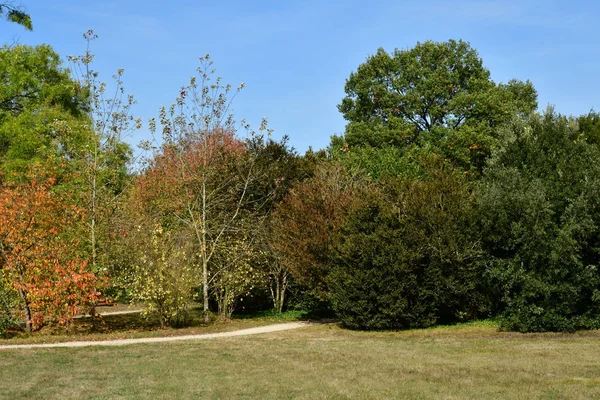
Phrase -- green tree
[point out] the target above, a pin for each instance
(436, 94)
(540, 224)
(105, 160)
(42, 111)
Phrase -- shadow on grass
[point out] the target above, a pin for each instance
(294, 315)
(290, 315)
(138, 324)
(116, 323)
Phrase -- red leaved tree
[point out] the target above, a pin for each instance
(38, 245)
(306, 222)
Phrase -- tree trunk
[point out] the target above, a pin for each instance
(278, 292)
(22, 294)
(284, 277)
(26, 309)
(204, 255)
(204, 277)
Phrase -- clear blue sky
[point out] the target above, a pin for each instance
(294, 56)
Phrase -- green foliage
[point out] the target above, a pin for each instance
(278, 167)
(540, 221)
(431, 85)
(408, 257)
(16, 14)
(8, 304)
(436, 96)
(589, 127)
(42, 110)
(378, 162)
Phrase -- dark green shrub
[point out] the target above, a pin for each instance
(540, 222)
(408, 257)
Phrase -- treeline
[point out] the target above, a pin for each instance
(448, 198)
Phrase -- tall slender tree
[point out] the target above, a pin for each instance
(106, 159)
(200, 177)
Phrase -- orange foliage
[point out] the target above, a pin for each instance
(38, 246)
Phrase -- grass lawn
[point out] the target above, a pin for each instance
(467, 361)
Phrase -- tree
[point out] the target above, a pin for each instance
(408, 255)
(42, 112)
(200, 177)
(277, 271)
(16, 14)
(540, 224)
(163, 274)
(306, 222)
(279, 168)
(435, 93)
(238, 273)
(39, 252)
(104, 161)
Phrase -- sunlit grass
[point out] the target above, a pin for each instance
(472, 360)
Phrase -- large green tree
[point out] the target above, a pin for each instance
(435, 94)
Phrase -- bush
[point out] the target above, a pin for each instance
(540, 219)
(164, 277)
(408, 257)
(8, 303)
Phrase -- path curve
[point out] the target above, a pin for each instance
(124, 342)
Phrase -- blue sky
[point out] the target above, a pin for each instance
(294, 56)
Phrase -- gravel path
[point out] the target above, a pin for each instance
(124, 342)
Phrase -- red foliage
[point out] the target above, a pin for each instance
(306, 222)
(38, 252)
(176, 173)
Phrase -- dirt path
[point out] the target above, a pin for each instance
(109, 313)
(124, 342)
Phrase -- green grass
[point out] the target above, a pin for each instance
(323, 362)
(290, 315)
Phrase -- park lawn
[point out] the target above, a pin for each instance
(325, 361)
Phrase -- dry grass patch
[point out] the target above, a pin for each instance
(319, 362)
